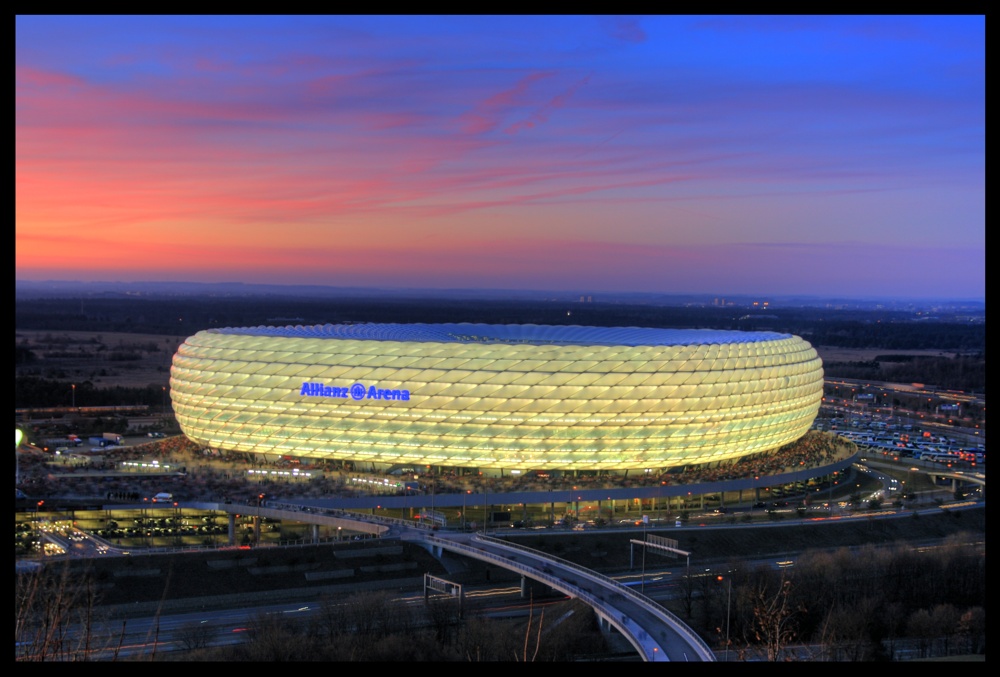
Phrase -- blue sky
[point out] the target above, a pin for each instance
(837, 155)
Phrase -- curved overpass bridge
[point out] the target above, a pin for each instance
(655, 633)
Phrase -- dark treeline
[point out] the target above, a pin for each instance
(33, 392)
(858, 604)
(965, 373)
(893, 330)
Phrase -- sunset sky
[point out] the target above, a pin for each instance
(672, 154)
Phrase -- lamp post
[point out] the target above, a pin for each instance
(729, 603)
(642, 585)
(465, 497)
(18, 436)
(256, 525)
(73, 386)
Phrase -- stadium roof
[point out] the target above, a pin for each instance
(532, 334)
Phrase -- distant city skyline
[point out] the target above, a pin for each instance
(834, 156)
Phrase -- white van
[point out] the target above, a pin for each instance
(162, 497)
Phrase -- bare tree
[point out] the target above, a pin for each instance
(194, 636)
(774, 620)
(485, 640)
(443, 612)
(921, 626)
(270, 639)
(945, 618)
(972, 627)
(847, 631)
(53, 616)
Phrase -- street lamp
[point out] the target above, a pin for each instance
(465, 496)
(729, 606)
(18, 436)
(643, 584)
(260, 497)
(73, 386)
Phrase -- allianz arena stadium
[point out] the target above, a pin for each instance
(508, 397)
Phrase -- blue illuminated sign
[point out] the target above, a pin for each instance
(355, 392)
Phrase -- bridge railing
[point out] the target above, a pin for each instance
(347, 514)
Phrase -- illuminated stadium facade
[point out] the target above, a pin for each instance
(510, 397)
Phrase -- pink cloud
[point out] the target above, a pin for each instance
(487, 115)
(27, 76)
(542, 114)
(625, 28)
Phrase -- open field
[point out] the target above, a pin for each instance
(105, 359)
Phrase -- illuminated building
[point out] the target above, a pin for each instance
(513, 397)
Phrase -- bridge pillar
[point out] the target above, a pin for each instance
(232, 529)
(315, 533)
(524, 587)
